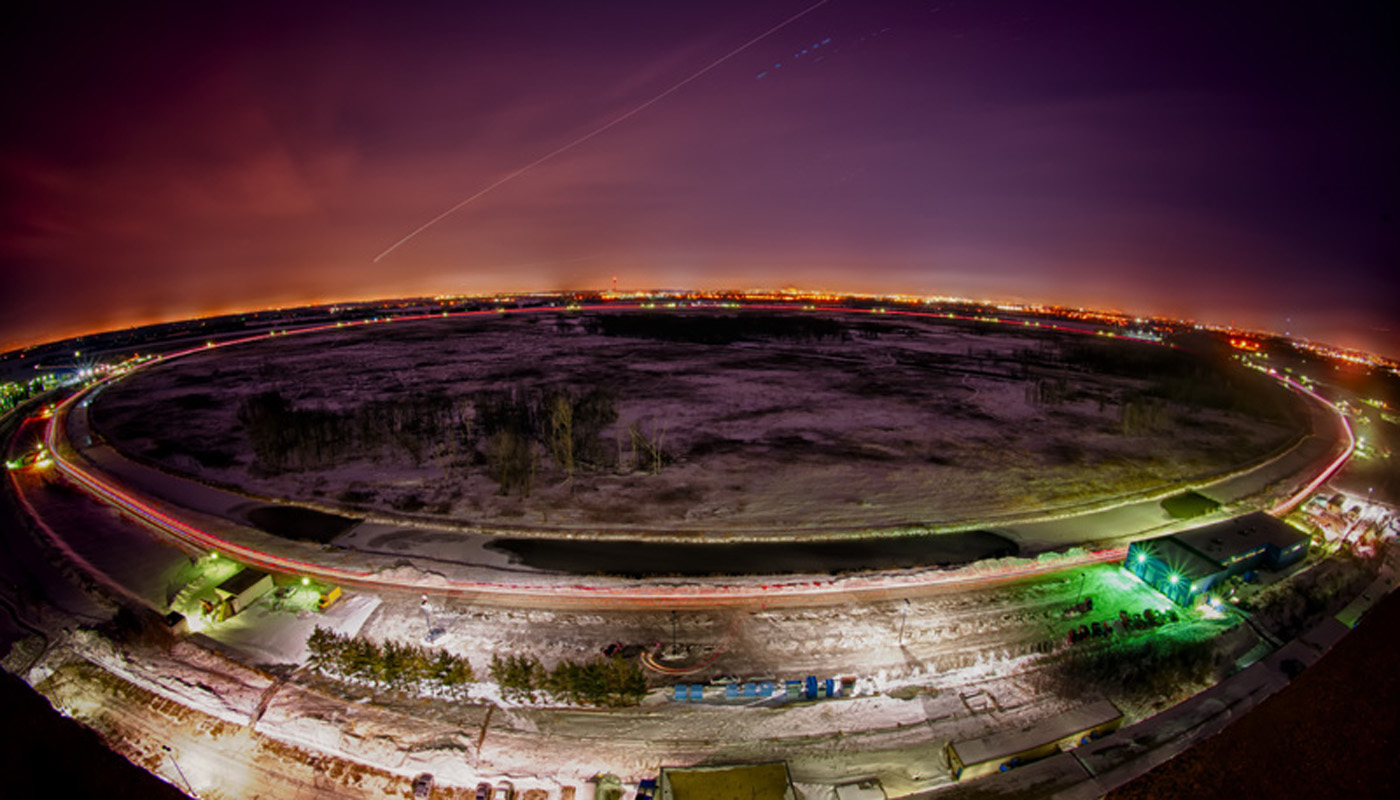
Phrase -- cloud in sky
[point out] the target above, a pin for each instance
(1228, 161)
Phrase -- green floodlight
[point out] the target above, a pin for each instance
(1142, 558)
(305, 581)
(1173, 579)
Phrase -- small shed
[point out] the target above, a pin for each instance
(176, 623)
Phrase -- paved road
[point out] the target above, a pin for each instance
(1273, 484)
(202, 530)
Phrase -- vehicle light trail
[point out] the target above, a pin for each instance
(649, 594)
(1292, 502)
(616, 593)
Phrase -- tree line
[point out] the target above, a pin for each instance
(506, 432)
(610, 682)
(393, 664)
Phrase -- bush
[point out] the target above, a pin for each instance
(519, 677)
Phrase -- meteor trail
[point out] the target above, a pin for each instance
(580, 140)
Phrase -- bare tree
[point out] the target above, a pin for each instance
(651, 447)
(561, 423)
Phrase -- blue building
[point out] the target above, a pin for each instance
(1186, 565)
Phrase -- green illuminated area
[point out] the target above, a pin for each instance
(1146, 646)
(38, 457)
(13, 393)
(1112, 589)
(200, 600)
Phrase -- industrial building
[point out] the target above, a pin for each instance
(973, 758)
(770, 781)
(1187, 565)
(241, 590)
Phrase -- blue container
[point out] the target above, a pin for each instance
(751, 690)
(731, 691)
(697, 691)
(830, 687)
(681, 692)
(811, 685)
(766, 688)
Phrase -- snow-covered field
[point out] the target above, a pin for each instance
(895, 424)
(943, 667)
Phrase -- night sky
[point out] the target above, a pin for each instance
(1225, 161)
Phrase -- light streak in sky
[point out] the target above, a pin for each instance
(596, 131)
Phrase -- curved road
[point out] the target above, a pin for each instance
(196, 531)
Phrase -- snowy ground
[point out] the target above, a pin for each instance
(264, 635)
(906, 424)
(803, 441)
(943, 667)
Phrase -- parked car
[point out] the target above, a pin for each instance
(422, 786)
(505, 790)
(483, 791)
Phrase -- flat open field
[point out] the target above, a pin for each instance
(736, 423)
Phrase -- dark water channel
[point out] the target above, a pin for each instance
(652, 559)
(294, 522)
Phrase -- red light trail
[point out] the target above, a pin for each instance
(660, 595)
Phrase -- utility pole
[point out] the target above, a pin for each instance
(902, 618)
(1080, 594)
(675, 646)
(188, 787)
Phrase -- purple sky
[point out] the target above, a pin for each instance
(1226, 161)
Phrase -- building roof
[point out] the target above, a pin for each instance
(739, 782)
(869, 789)
(1053, 729)
(241, 581)
(1240, 536)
